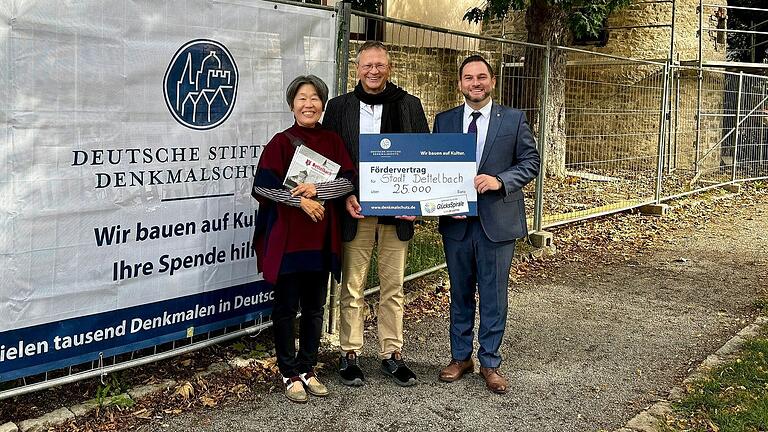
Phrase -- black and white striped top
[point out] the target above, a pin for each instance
(325, 191)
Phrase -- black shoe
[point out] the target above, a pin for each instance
(395, 368)
(350, 371)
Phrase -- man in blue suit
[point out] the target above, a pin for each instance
(479, 249)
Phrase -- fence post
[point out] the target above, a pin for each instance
(753, 41)
(669, 151)
(662, 123)
(699, 85)
(677, 113)
(343, 19)
(737, 132)
(672, 148)
(538, 212)
(672, 32)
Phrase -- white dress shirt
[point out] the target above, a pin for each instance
(370, 118)
(482, 126)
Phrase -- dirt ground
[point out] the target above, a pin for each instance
(628, 306)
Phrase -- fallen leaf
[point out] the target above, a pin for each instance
(208, 401)
(185, 390)
(143, 414)
(239, 389)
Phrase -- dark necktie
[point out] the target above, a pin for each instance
(473, 124)
(473, 130)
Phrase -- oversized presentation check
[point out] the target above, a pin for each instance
(417, 174)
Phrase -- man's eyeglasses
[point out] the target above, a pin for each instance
(378, 67)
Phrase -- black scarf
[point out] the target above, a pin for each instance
(389, 99)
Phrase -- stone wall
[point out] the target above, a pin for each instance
(612, 115)
(639, 42)
(612, 106)
(613, 124)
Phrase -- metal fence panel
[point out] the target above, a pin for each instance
(609, 129)
(751, 153)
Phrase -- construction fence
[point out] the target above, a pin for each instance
(614, 134)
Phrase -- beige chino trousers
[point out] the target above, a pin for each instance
(356, 261)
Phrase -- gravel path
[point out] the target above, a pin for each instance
(586, 348)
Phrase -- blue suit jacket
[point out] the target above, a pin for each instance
(510, 153)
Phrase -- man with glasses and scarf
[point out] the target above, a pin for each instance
(375, 106)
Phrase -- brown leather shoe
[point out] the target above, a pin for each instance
(493, 380)
(456, 369)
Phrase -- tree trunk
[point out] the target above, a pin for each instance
(546, 23)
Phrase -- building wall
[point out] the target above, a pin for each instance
(446, 14)
(439, 13)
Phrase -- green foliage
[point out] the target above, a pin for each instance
(585, 17)
(258, 351)
(251, 349)
(121, 401)
(495, 9)
(113, 386)
(734, 396)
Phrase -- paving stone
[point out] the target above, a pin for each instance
(9, 427)
(84, 408)
(749, 331)
(143, 391)
(676, 394)
(87, 407)
(214, 369)
(732, 346)
(712, 361)
(660, 409)
(54, 418)
(644, 422)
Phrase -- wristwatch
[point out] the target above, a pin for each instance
(502, 189)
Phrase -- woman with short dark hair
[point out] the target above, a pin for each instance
(297, 235)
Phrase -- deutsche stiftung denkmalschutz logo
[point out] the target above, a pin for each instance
(385, 143)
(201, 84)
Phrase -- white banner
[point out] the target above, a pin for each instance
(130, 134)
